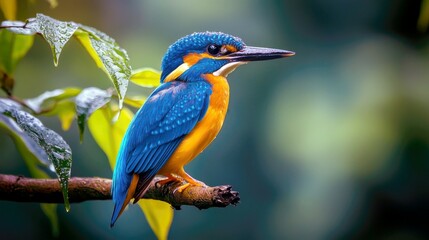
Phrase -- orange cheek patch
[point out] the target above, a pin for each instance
(231, 48)
(193, 58)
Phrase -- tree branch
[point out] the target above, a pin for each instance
(22, 189)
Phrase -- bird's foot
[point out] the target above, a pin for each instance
(169, 179)
(194, 183)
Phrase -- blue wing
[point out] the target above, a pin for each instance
(168, 115)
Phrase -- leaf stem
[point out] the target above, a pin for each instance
(22, 103)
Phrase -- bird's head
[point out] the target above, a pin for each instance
(211, 52)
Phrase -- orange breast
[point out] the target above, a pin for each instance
(205, 131)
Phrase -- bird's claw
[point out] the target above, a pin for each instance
(180, 189)
(166, 181)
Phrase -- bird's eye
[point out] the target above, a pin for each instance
(213, 49)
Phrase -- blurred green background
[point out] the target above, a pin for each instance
(330, 144)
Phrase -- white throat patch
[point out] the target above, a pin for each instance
(228, 68)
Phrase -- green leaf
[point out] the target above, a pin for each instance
(59, 102)
(159, 215)
(56, 33)
(53, 3)
(146, 77)
(135, 101)
(50, 211)
(25, 127)
(108, 133)
(47, 100)
(89, 100)
(14, 47)
(19, 27)
(423, 20)
(29, 149)
(65, 111)
(8, 7)
(108, 56)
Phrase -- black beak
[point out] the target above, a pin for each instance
(248, 54)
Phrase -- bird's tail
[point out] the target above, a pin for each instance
(116, 213)
(122, 193)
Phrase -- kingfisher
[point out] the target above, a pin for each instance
(183, 115)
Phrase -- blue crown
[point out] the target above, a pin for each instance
(195, 43)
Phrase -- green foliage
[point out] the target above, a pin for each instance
(89, 100)
(107, 118)
(423, 21)
(8, 8)
(51, 148)
(59, 102)
(103, 49)
(108, 56)
(55, 32)
(159, 215)
(29, 149)
(146, 77)
(17, 47)
(50, 211)
(108, 133)
(135, 101)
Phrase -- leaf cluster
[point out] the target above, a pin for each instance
(106, 112)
